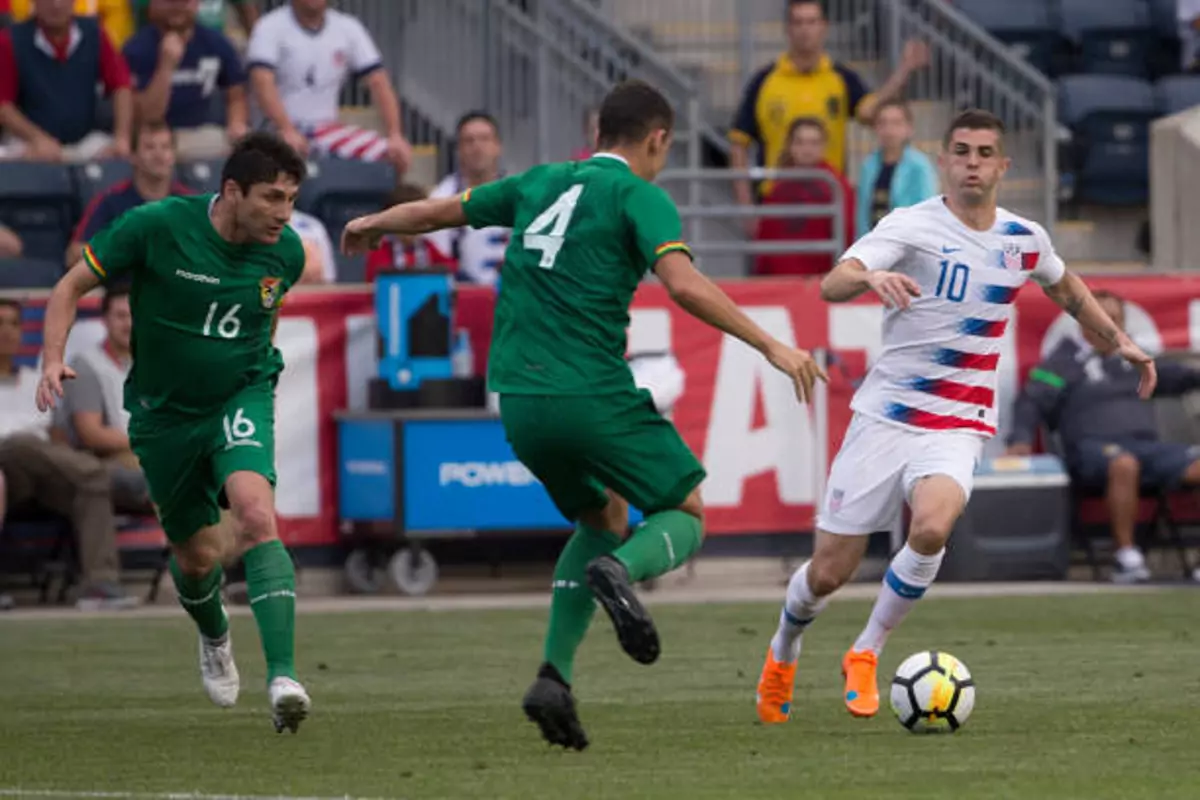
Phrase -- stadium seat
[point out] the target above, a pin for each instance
(1167, 47)
(38, 202)
(1113, 36)
(201, 176)
(95, 177)
(336, 192)
(1026, 26)
(1109, 117)
(1177, 93)
(29, 273)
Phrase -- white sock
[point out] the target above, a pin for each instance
(909, 575)
(799, 609)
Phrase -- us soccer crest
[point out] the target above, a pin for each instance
(270, 291)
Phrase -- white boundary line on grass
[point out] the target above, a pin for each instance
(115, 795)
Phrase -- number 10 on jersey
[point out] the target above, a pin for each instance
(952, 281)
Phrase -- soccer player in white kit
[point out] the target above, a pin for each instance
(947, 270)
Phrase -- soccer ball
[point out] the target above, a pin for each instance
(932, 693)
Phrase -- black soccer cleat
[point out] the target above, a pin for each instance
(550, 705)
(609, 581)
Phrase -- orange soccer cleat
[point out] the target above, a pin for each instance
(775, 686)
(862, 691)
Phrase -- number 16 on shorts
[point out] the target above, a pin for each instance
(239, 430)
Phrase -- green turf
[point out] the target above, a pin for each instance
(1080, 697)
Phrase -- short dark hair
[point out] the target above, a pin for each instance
(1108, 294)
(974, 119)
(787, 12)
(111, 293)
(631, 112)
(904, 107)
(260, 157)
(406, 193)
(148, 127)
(11, 302)
(476, 116)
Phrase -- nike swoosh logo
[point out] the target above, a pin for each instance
(948, 250)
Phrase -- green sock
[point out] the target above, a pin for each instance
(571, 602)
(271, 585)
(660, 544)
(201, 599)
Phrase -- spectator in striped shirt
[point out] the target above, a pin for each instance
(153, 172)
(300, 55)
(405, 252)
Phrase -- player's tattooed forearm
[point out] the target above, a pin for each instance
(1073, 305)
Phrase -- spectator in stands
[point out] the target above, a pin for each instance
(320, 263)
(10, 243)
(92, 412)
(896, 174)
(49, 68)
(153, 179)
(479, 253)
(806, 149)
(178, 68)
(115, 16)
(1087, 394)
(405, 252)
(806, 82)
(210, 14)
(300, 56)
(41, 475)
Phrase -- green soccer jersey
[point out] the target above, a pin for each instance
(202, 306)
(584, 235)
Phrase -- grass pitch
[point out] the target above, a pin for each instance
(1079, 697)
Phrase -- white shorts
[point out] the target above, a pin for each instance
(874, 473)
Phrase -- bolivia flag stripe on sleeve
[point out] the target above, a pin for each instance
(92, 262)
(667, 247)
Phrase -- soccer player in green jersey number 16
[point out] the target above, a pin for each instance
(585, 234)
(207, 276)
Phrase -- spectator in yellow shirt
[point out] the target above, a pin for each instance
(116, 16)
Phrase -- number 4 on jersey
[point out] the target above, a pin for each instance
(556, 218)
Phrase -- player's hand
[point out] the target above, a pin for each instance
(1144, 363)
(50, 387)
(893, 288)
(800, 366)
(360, 236)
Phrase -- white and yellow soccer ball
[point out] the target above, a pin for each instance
(932, 692)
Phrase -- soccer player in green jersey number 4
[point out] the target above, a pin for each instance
(586, 233)
(208, 275)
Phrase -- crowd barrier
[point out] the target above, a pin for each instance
(766, 456)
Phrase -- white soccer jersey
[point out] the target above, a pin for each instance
(937, 370)
(478, 251)
(311, 66)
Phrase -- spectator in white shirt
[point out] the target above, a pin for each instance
(36, 473)
(479, 252)
(300, 55)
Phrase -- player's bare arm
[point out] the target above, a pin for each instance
(1073, 296)
(407, 219)
(703, 299)
(851, 279)
(60, 316)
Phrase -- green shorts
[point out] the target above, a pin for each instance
(579, 445)
(187, 462)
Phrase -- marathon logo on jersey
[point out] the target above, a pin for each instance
(270, 291)
(474, 474)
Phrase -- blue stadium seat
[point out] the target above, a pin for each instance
(29, 273)
(336, 192)
(1109, 117)
(201, 176)
(1177, 93)
(1113, 36)
(1028, 27)
(95, 177)
(38, 202)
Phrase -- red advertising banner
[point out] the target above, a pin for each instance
(766, 454)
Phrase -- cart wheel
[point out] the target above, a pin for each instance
(413, 571)
(365, 572)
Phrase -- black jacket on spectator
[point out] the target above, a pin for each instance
(1083, 395)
